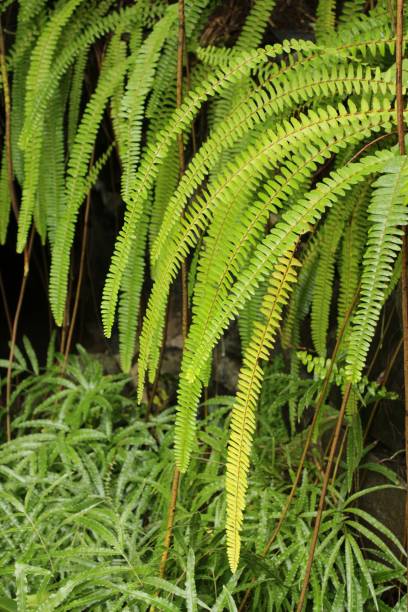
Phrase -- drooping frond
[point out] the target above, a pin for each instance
(254, 26)
(386, 214)
(76, 185)
(325, 20)
(41, 59)
(331, 233)
(352, 249)
(249, 386)
(294, 223)
(148, 172)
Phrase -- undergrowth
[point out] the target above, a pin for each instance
(84, 485)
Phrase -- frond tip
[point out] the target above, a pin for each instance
(249, 387)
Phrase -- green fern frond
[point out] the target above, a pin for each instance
(352, 249)
(249, 386)
(148, 172)
(41, 59)
(325, 21)
(131, 109)
(386, 214)
(5, 198)
(294, 223)
(76, 185)
(331, 234)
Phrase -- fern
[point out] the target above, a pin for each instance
(386, 213)
(249, 386)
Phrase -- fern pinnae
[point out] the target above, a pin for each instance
(76, 186)
(198, 334)
(131, 110)
(386, 214)
(285, 92)
(41, 59)
(148, 171)
(285, 234)
(249, 386)
(322, 295)
(352, 249)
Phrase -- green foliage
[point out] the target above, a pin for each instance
(85, 481)
(296, 157)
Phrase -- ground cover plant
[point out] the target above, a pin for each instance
(260, 185)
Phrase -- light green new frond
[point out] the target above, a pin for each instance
(332, 232)
(76, 184)
(294, 223)
(148, 172)
(386, 214)
(249, 386)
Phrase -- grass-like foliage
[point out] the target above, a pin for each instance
(84, 484)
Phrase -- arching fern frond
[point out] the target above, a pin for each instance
(76, 185)
(386, 214)
(249, 386)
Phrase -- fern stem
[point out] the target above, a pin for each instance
(323, 498)
(72, 322)
(399, 51)
(170, 521)
(26, 269)
(318, 407)
(184, 288)
(5, 304)
(27, 250)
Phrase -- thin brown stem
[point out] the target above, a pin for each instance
(170, 521)
(399, 53)
(5, 304)
(322, 499)
(184, 288)
(72, 322)
(318, 407)
(383, 382)
(26, 269)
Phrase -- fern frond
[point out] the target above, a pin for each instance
(332, 232)
(224, 297)
(325, 20)
(76, 185)
(129, 299)
(249, 386)
(352, 250)
(41, 59)
(386, 214)
(131, 110)
(254, 26)
(294, 223)
(148, 172)
(5, 198)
